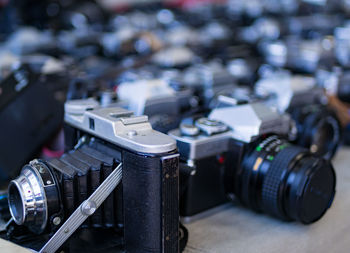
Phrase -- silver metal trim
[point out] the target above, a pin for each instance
(251, 120)
(115, 124)
(202, 145)
(34, 203)
(244, 123)
(170, 157)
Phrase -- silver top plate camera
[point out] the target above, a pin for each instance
(209, 136)
(118, 126)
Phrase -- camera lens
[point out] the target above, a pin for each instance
(285, 181)
(16, 204)
(29, 195)
(318, 129)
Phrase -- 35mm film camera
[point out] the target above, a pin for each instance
(243, 151)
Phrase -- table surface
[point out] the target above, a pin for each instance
(236, 229)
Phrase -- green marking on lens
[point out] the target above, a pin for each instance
(258, 148)
(283, 147)
(270, 157)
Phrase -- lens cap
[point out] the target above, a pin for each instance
(317, 193)
(286, 181)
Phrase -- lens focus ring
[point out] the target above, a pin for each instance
(274, 179)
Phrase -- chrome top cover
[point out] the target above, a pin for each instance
(118, 126)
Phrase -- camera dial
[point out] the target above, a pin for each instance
(210, 126)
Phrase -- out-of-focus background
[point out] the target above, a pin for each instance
(172, 60)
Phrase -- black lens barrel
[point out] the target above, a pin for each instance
(285, 181)
(310, 189)
(275, 180)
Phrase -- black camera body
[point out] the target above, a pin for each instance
(143, 208)
(30, 115)
(243, 151)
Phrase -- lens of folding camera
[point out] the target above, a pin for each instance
(285, 181)
(29, 195)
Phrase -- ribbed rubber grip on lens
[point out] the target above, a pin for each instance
(274, 178)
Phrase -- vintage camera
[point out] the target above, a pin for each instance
(313, 26)
(30, 116)
(262, 29)
(243, 151)
(318, 127)
(53, 198)
(335, 81)
(206, 80)
(327, 6)
(29, 40)
(297, 54)
(155, 98)
(251, 9)
(243, 70)
(304, 27)
(257, 8)
(174, 57)
(342, 50)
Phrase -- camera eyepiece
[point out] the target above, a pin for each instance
(285, 181)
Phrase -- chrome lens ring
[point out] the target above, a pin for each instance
(16, 201)
(27, 199)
